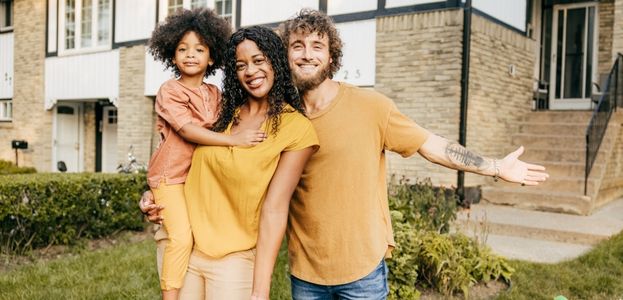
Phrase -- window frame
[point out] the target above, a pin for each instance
(95, 30)
(3, 111)
(163, 10)
(12, 17)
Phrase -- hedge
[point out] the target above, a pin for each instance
(7, 168)
(38, 210)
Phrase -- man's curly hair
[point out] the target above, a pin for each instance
(211, 29)
(283, 90)
(309, 21)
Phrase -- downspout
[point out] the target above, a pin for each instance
(467, 22)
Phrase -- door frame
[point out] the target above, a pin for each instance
(79, 108)
(104, 155)
(572, 103)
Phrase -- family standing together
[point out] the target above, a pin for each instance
(283, 149)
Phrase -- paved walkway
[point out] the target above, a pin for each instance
(539, 236)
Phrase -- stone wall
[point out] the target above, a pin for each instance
(606, 23)
(135, 117)
(418, 65)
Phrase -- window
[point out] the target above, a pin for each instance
(6, 110)
(224, 8)
(85, 25)
(6, 14)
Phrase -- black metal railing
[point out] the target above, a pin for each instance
(610, 98)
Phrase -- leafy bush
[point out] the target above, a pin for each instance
(427, 258)
(7, 167)
(422, 204)
(38, 210)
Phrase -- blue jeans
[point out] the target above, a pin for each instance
(372, 287)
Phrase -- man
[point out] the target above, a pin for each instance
(339, 230)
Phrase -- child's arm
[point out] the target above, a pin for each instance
(203, 136)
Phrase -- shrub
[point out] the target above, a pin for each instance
(7, 167)
(38, 210)
(422, 204)
(427, 258)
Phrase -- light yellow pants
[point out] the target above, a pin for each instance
(180, 240)
(229, 277)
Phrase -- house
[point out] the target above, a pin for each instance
(77, 84)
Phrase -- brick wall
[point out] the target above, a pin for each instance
(606, 22)
(418, 65)
(31, 122)
(89, 136)
(498, 99)
(617, 31)
(611, 187)
(135, 117)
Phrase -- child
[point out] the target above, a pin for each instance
(192, 44)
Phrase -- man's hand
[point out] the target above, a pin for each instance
(514, 170)
(150, 209)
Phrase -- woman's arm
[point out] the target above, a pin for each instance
(203, 136)
(274, 217)
(452, 155)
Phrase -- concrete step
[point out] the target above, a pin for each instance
(550, 127)
(574, 155)
(539, 251)
(539, 236)
(538, 199)
(559, 116)
(570, 184)
(553, 141)
(566, 169)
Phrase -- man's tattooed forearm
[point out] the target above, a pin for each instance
(463, 157)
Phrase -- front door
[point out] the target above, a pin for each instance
(573, 61)
(67, 139)
(109, 139)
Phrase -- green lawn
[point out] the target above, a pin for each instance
(128, 271)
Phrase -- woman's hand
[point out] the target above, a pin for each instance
(150, 209)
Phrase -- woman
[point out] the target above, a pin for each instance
(238, 198)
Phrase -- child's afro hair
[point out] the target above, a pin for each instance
(213, 30)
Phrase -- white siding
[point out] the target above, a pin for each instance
(512, 13)
(270, 11)
(155, 75)
(6, 65)
(397, 3)
(88, 76)
(135, 20)
(52, 12)
(358, 61)
(338, 7)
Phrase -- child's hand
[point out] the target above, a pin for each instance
(248, 138)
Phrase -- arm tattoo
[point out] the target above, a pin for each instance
(465, 158)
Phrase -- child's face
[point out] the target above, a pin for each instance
(254, 71)
(192, 57)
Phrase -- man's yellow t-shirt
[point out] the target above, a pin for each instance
(339, 225)
(226, 186)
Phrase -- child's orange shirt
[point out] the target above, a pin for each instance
(176, 106)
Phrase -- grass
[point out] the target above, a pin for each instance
(128, 271)
(595, 275)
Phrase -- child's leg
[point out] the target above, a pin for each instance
(180, 240)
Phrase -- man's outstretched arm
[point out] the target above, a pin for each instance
(452, 155)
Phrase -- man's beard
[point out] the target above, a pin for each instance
(306, 84)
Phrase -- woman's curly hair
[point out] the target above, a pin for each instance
(212, 30)
(309, 21)
(283, 90)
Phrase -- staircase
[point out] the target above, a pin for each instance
(555, 139)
